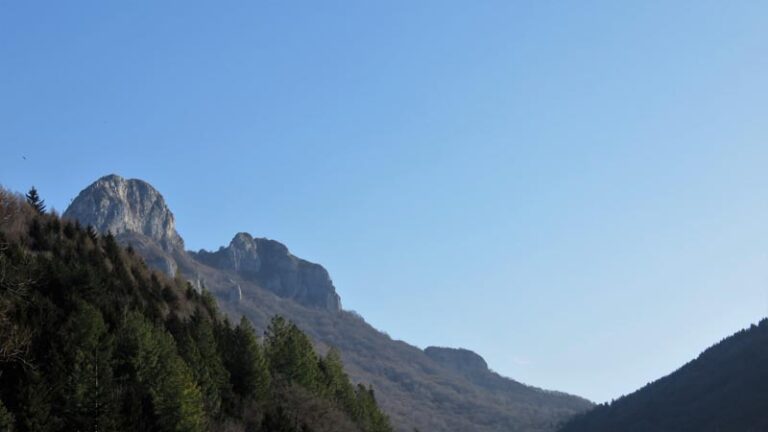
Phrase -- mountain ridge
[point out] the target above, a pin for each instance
(136, 214)
(270, 263)
(92, 339)
(259, 278)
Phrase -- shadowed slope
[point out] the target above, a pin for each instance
(724, 389)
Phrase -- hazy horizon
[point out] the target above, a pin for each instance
(575, 192)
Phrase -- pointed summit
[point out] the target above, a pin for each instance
(118, 205)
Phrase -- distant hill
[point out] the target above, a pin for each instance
(434, 390)
(724, 389)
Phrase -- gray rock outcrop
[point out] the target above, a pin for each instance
(136, 214)
(269, 264)
(117, 205)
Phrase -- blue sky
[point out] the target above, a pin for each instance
(576, 191)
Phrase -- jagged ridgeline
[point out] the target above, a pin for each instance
(92, 339)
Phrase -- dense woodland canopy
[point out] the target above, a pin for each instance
(91, 339)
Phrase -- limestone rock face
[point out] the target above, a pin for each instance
(242, 255)
(273, 267)
(136, 214)
(117, 205)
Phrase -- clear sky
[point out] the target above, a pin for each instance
(578, 191)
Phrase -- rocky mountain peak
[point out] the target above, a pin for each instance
(269, 264)
(136, 213)
(118, 205)
(242, 240)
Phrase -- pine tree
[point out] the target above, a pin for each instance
(33, 199)
(291, 355)
(84, 366)
(336, 384)
(198, 348)
(151, 359)
(372, 418)
(246, 363)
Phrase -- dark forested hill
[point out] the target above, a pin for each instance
(91, 339)
(259, 278)
(724, 389)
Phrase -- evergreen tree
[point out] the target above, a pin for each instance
(371, 417)
(291, 355)
(336, 384)
(246, 363)
(33, 199)
(85, 368)
(198, 347)
(151, 357)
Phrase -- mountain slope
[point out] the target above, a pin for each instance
(724, 389)
(259, 278)
(91, 339)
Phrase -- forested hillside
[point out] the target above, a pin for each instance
(724, 389)
(91, 339)
(260, 278)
